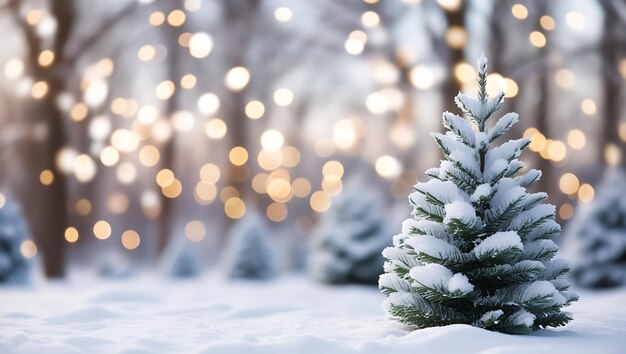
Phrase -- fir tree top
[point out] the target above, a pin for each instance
(478, 249)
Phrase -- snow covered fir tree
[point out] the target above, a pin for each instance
(347, 245)
(250, 253)
(179, 260)
(597, 237)
(14, 267)
(478, 249)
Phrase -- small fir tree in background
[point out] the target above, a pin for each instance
(347, 245)
(478, 249)
(250, 253)
(179, 260)
(597, 237)
(14, 267)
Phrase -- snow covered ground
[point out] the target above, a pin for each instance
(289, 315)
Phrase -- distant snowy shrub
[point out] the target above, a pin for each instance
(478, 249)
(249, 252)
(179, 259)
(596, 238)
(14, 267)
(347, 244)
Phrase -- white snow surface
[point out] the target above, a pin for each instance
(499, 241)
(459, 282)
(461, 210)
(146, 314)
(431, 275)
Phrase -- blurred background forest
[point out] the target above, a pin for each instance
(129, 125)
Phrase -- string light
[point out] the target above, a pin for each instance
(195, 231)
(283, 14)
(519, 11)
(130, 239)
(71, 234)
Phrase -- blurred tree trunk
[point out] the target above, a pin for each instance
(239, 16)
(543, 107)
(455, 18)
(47, 214)
(168, 151)
(612, 52)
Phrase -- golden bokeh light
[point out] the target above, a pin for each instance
(332, 187)
(200, 45)
(324, 147)
(450, 5)
(205, 192)
(146, 53)
(568, 183)
(422, 77)
(575, 20)
(149, 155)
(71, 234)
(237, 78)
(102, 230)
(165, 177)
(283, 14)
(277, 212)
(188, 81)
(84, 168)
(456, 37)
(46, 177)
(547, 23)
(565, 78)
(215, 128)
(39, 90)
(118, 203)
(210, 173)
(537, 39)
(208, 103)
(172, 190)
(78, 112)
(228, 192)
(388, 167)
(283, 97)
(612, 154)
(255, 109)
(556, 150)
(464, 72)
(519, 11)
(320, 201)
(195, 231)
(259, 183)
(576, 139)
(83, 207)
(126, 173)
(333, 170)
(586, 193)
(45, 58)
(124, 140)
(272, 140)
(370, 19)
(28, 249)
(130, 239)
(234, 207)
(290, 157)
(109, 156)
(176, 18)
(13, 68)
(165, 89)
(156, 18)
(301, 187)
(279, 189)
(588, 107)
(238, 155)
(566, 211)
